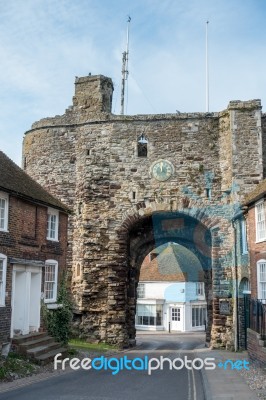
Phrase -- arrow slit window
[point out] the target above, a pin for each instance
(142, 146)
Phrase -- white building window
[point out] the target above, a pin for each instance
(52, 224)
(149, 314)
(244, 242)
(50, 281)
(3, 211)
(176, 314)
(3, 263)
(141, 291)
(260, 221)
(198, 316)
(200, 288)
(261, 279)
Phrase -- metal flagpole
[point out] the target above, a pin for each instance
(207, 69)
(125, 69)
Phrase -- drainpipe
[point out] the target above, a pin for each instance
(236, 339)
(239, 214)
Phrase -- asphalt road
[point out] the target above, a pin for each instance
(182, 384)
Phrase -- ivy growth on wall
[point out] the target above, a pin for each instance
(58, 321)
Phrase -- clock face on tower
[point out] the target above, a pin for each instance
(162, 170)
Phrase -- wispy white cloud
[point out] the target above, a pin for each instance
(45, 44)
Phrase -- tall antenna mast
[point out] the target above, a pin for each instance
(207, 69)
(124, 69)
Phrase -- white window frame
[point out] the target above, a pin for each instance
(147, 314)
(141, 291)
(53, 263)
(260, 221)
(4, 196)
(199, 317)
(200, 291)
(50, 213)
(176, 314)
(244, 242)
(3, 259)
(261, 279)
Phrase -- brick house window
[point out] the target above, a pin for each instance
(141, 291)
(3, 211)
(3, 263)
(261, 279)
(52, 224)
(260, 221)
(50, 281)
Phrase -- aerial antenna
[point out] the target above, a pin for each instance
(124, 69)
(207, 69)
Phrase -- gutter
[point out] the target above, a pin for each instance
(236, 217)
(236, 339)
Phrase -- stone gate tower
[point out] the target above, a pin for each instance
(136, 182)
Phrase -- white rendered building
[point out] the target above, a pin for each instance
(171, 291)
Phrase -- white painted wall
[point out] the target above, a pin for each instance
(172, 294)
(172, 291)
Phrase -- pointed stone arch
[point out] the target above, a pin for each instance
(136, 239)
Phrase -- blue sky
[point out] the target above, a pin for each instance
(44, 44)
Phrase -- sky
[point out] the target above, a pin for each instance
(44, 44)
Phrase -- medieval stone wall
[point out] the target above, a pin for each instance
(88, 158)
(247, 166)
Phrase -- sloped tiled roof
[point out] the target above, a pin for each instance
(256, 193)
(174, 263)
(17, 182)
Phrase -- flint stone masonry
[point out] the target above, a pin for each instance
(88, 159)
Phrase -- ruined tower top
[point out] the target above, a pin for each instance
(93, 93)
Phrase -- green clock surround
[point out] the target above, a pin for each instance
(162, 170)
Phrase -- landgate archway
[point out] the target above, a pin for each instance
(160, 228)
(90, 159)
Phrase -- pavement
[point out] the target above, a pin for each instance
(225, 383)
(222, 383)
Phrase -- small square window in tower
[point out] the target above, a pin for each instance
(142, 146)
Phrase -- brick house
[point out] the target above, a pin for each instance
(255, 205)
(33, 245)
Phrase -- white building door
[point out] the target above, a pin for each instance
(175, 318)
(26, 296)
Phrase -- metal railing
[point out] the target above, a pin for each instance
(257, 316)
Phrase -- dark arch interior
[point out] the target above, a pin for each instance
(160, 228)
